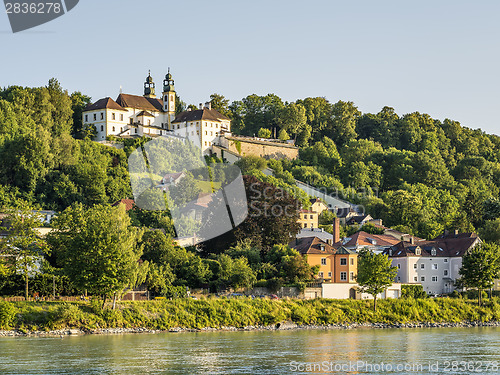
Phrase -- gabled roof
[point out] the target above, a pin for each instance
(315, 232)
(311, 245)
(361, 239)
(129, 203)
(345, 251)
(144, 113)
(140, 102)
(445, 246)
(103, 104)
(200, 114)
(317, 200)
(358, 219)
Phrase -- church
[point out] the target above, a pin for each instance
(131, 116)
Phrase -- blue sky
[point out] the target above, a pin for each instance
(440, 58)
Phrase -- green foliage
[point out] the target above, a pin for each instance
(7, 315)
(264, 133)
(96, 248)
(413, 291)
(480, 267)
(250, 163)
(375, 273)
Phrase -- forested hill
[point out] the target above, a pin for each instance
(43, 163)
(431, 175)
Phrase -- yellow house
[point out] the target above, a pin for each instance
(308, 219)
(317, 205)
(335, 265)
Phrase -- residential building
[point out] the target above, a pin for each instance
(308, 219)
(335, 265)
(317, 205)
(434, 264)
(375, 242)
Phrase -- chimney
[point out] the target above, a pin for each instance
(201, 105)
(455, 232)
(412, 240)
(208, 105)
(336, 230)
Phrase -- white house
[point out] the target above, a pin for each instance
(135, 116)
(433, 264)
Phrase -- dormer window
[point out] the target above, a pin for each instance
(322, 247)
(433, 252)
(418, 251)
(390, 252)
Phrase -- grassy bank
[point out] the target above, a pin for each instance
(216, 313)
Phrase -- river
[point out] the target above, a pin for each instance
(366, 351)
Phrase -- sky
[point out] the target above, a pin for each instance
(436, 57)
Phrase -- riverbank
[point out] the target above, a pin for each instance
(188, 315)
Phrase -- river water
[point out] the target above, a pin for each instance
(364, 351)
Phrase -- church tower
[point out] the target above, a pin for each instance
(149, 87)
(169, 98)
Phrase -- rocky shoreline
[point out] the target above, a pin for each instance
(284, 326)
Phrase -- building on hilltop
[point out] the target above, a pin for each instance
(132, 116)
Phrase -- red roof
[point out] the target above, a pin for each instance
(129, 203)
(361, 238)
(104, 103)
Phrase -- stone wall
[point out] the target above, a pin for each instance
(266, 149)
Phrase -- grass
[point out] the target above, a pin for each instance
(240, 312)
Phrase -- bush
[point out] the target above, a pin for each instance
(7, 314)
(413, 291)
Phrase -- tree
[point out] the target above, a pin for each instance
(235, 272)
(78, 103)
(251, 163)
(344, 118)
(264, 133)
(480, 267)
(375, 273)
(220, 104)
(97, 248)
(23, 244)
(283, 135)
(292, 118)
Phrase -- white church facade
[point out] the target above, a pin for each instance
(132, 116)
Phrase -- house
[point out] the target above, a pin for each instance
(359, 220)
(375, 242)
(434, 264)
(335, 265)
(308, 219)
(132, 116)
(317, 205)
(315, 232)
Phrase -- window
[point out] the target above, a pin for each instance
(433, 252)
(343, 261)
(121, 129)
(343, 276)
(352, 261)
(102, 128)
(86, 118)
(435, 266)
(329, 274)
(206, 132)
(422, 278)
(178, 126)
(113, 116)
(311, 216)
(446, 272)
(399, 266)
(434, 278)
(113, 128)
(305, 225)
(217, 126)
(102, 116)
(445, 260)
(415, 266)
(399, 279)
(422, 266)
(136, 130)
(351, 276)
(131, 121)
(149, 122)
(121, 117)
(323, 261)
(95, 117)
(418, 251)
(415, 278)
(197, 132)
(205, 143)
(320, 274)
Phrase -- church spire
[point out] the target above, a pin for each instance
(169, 97)
(149, 87)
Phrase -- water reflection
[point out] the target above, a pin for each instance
(247, 352)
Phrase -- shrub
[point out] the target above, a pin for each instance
(7, 314)
(413, 291)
